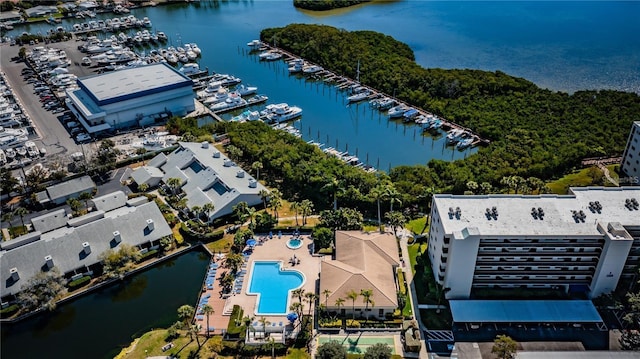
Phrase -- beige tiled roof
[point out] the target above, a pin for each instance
(363, 261)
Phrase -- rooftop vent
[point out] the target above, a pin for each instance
(631, 204)
(117, 237)
(458, 212)
(216, 154)
(491, 213)
(204, 144)
(595, 207)
(537, 213)
(253, 183)
(86, 247)
(240, 174)
(150, 224)
(451, 213)
(48, 261)
(14, 274)
(578, 216)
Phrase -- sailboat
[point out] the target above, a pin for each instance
(359, 93)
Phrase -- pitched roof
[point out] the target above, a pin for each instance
(110, 201)
(64, 244)
(145, 174)
(363, 261)
(70, 187)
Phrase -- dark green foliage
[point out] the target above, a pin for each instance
(8, 311)
(322, 237)
(331, 350)
(378, 351)
(235, 328)
(341, 219)
(318, 5)
(264, 221)
(79, 282)
(534, 132)
(148, 255)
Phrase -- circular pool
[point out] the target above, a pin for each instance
(294, 243)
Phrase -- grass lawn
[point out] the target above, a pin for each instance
(17, 231)
(580, 178)
(413, 253)
(417, 226)
(294, 353)
(177, 235)
(222, 245)
(151, 343)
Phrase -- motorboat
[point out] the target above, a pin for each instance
(270, 56)
(86, 61)
(194, 47)
(21, 151)
(10, 153)
(161, 36)
(296, 67)
(311, 69)
(464, 143)
(189, 69)
(227, 80)
(246, 90)
(385, 103)
(282, 112)
(146, 22)
(362, 95)
(3, 157)
(234, 100)
(254, 44)
(454, 135)
(221, 95)
(397, 111)
(212, 89)
(32, 149)
(246, 116)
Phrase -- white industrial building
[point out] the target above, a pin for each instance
(206, 175)
(583, 242)
(132, 97)
(630, 165)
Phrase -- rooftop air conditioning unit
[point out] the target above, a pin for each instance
(227, 163)
(240, 174)
(14, 274)
(216, 154)
(117, 237)
(86, 247)
(150, 224)
(48, 261)
(253, 183)
(205, 144)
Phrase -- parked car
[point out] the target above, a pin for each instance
(73, 124)
(83, 137)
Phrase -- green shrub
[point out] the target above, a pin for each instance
(9, 310)
(147, 255)
(79, 282)
(326, 251)
(235, 329)
(353, 323)
(401, 285)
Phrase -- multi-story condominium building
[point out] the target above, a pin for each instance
(631, 159)
(585, 241)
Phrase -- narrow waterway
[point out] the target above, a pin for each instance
(98, 324)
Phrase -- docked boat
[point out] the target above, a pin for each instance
(281, 112)
(21, 151)
(190, 69)
(161, 36)
(234, 100)
(410, 114)
(464, 143)
(254, 44)
(311, 69)
(194, 47)
(397, 111)
(32, 149)
(360, 96)
(226, 80)
(10, 153)
(212, 89)
(271, 55)
(221, 95)
(3, 157)
(296, 68)
(246, 90)
(454, 135)
(246, 116)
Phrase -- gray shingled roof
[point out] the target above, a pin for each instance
(110, 201)
(147, 174)
(50, 221)
(71, 187)
(64, 245)
(158, 160)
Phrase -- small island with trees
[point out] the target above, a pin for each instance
(321, 5)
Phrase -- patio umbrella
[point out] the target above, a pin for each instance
(292, 317)
(251, 242)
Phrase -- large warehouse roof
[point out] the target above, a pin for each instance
(524, 311)
(131, 83)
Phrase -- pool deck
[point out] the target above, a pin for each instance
(274, 249)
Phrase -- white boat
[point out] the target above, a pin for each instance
(311, 69)
(21, 150)
(397, 111)
(172, 59)
(3, 157)
(17, 132)
(146, 22)
(454, 135)
(234, 100)
(227, 80)
(254, 44)
(246, 90)
(212, 89)
(183, 58)
(86, 61)
(246, 116)
(221, 95)
(190, 69)
(362, 95)
(296, 68)
(282, 112)
(10, 153)
(270, 56)
(161, 36)
(464, 143)
(194, 47)
(385, 103)
(32, 149)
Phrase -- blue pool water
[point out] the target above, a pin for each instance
(294, 243)
(272, 286)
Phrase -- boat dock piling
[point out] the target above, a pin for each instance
(344, 82)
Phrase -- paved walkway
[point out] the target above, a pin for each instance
(606, 173)
(413, 296)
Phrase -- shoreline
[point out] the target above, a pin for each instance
(107, 283)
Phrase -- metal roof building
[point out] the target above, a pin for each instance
(131, 97)
(73, 245)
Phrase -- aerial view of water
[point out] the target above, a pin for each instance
(99, 324)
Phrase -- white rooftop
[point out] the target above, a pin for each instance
(132, 81)
(515, 212)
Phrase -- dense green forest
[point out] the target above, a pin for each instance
(319, 5)
(533, 131)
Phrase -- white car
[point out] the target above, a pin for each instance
(83, 137)
(73, 124)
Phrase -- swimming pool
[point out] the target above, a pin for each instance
(272, 286)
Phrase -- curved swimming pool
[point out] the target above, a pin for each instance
(272, 286)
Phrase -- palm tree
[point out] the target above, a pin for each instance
(74, 204)
(194, 331)
(395, 219)
(295, 206)
(298, 293)
(326, 294)
(297, 308)
(264, 194)
(257, 165)
(276, 201)
(208, 208)
(339, 303)
(240, 211)
(378, 193)
(185, 313)
(306, 207)
(366, 299)
(207, 310)
(174, 183)
(233, 262)
(85, 196)
(21, 212)
(393, 195)
(143, 187)
(333, 186)
(197, 211)
(427, 195)
(353, 295)
(310, 297)
(264, 323)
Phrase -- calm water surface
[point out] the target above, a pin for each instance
(97, 325)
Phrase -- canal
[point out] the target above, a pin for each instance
(99, 324)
